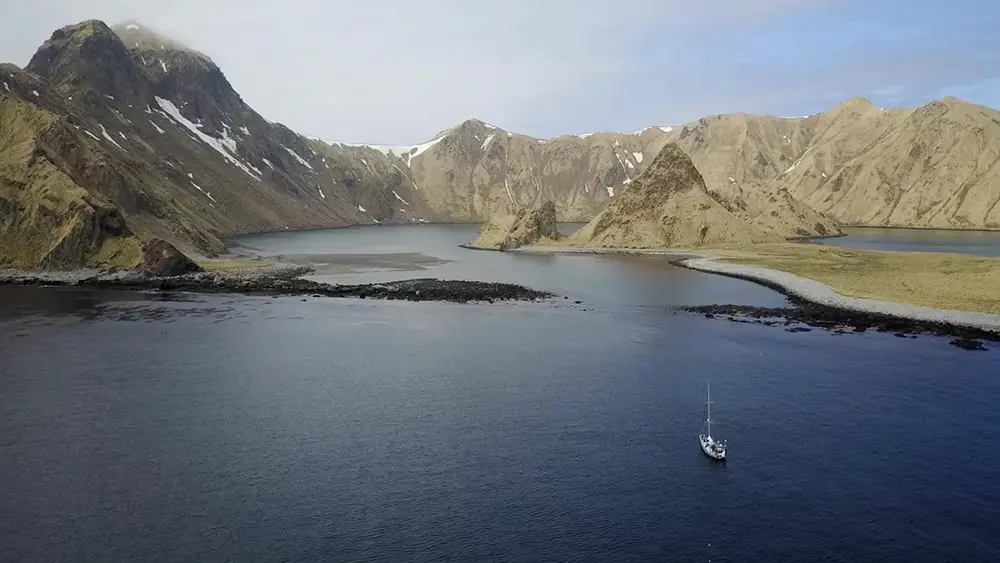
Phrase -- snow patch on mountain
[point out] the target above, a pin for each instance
(486, 143)
(644, 129)
(406, 152)
(202, 191)
(301, 160)
(104, 133)
(422, 148)
(170, 109)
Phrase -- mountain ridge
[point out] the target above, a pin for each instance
(156, 130)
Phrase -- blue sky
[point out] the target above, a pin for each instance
(397, 71)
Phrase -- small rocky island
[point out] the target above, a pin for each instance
(526, 226)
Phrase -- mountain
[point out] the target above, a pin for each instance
(932, 167)
(667, 206)
(475, 170)
(158, 135)
(740, 155)
(111, 137)
(937, 166)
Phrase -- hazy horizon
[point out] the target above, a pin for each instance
(396, 73)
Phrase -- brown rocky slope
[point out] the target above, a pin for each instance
(937, 166)
(929, 167)
(668, 206)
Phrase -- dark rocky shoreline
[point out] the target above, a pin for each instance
(842, 321)
(285, 282)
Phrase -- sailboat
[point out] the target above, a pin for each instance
(712, 448)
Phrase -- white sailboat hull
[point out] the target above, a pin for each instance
(712, 448)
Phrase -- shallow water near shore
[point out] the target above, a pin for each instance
(217, 428)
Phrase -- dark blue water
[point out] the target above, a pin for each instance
(213, 428)
(982, 243)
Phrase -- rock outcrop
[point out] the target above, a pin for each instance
(161, 259)
(527, 226)
(668, 206)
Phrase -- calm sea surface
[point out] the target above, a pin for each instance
(983, 243)
(226, 428)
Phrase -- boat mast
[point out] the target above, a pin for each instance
(709, 403)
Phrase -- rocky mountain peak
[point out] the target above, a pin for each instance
(856, 106)
(957, 104)
(859, 102)
(671, 170)
(475, 129)
(470, 139)
(90, 56)
(668, 205)
(952, 100)
(186, 77)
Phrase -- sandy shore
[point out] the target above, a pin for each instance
(822, 294)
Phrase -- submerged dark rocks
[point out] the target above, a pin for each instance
(968, 344)
(842, 321)
(274, 282)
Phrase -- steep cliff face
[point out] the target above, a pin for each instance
(668, 206)
(46, 218)
(526, 226)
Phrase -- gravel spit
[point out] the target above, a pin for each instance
(822, 294)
